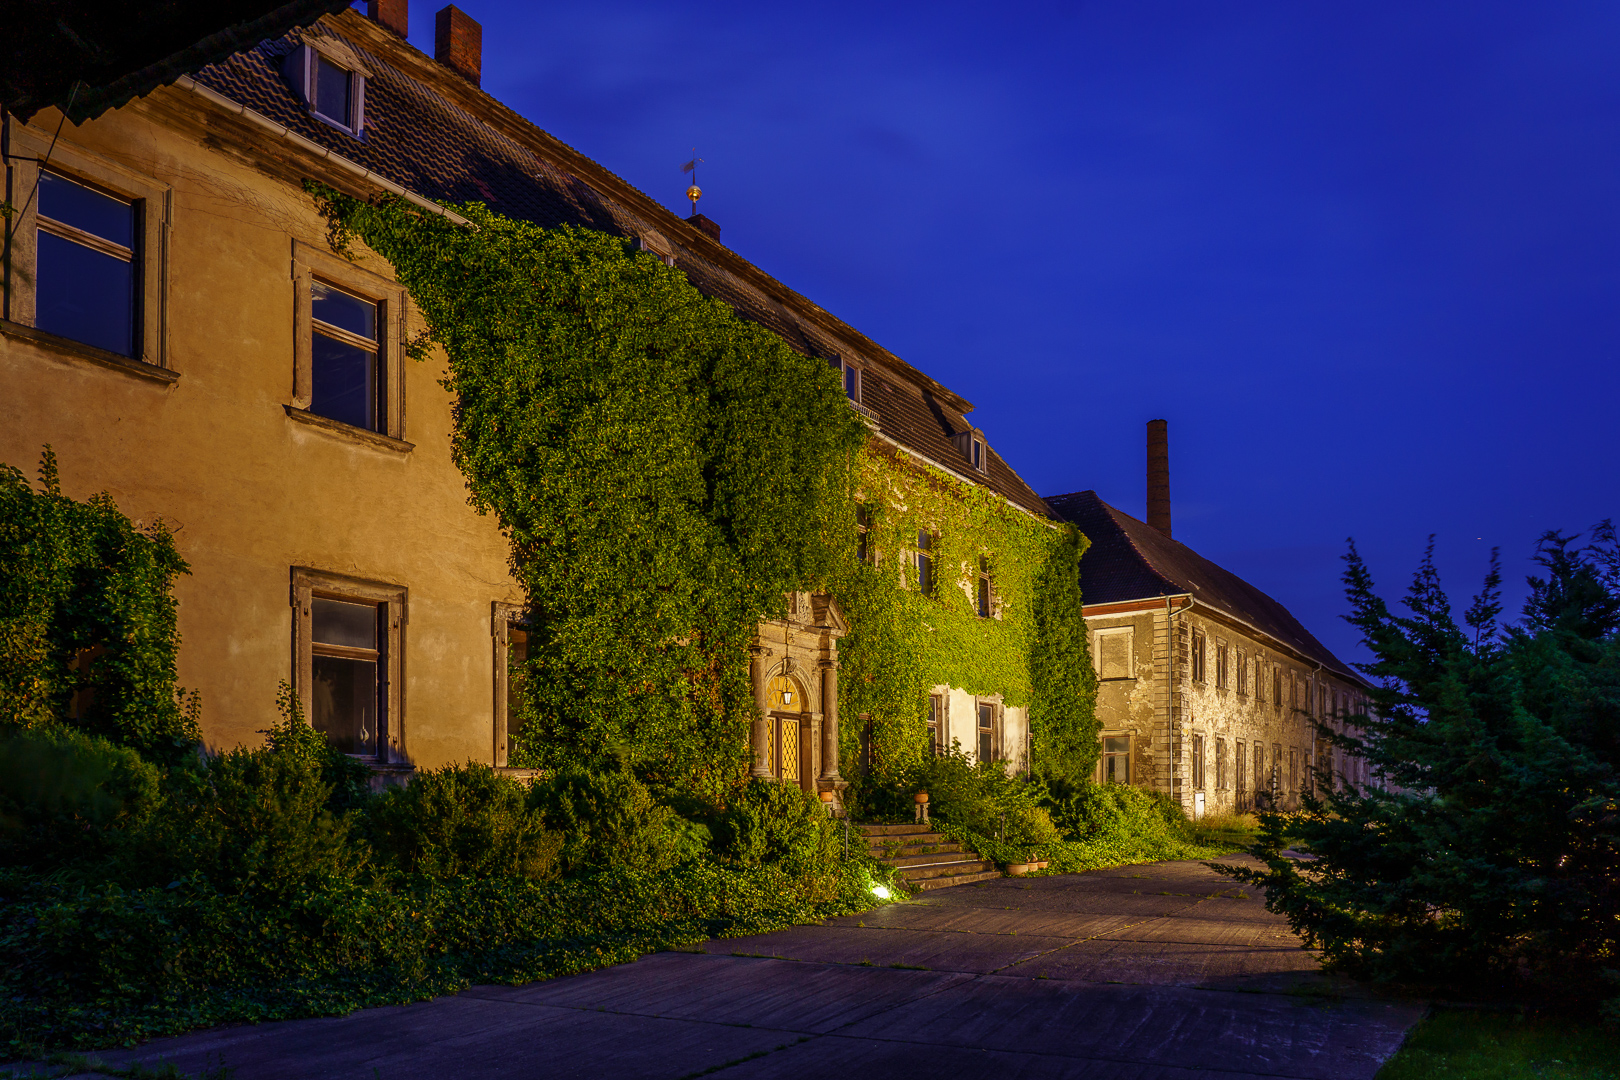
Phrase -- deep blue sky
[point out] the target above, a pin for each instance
(1362, 257)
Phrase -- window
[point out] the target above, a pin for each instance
(982, 604)
(1197, 656)
(936, 722)
(349, 343)
(1222, 672)
(331, 82)
(1259, 767)
(1113, 653)
(85, 263)
(1198, 762)
(1242, 674)
(509, 629)
(863, 529)
(977, 456)
(343, 370)
(1239, 762)
(1114, 767)
(925, 563)
(987, 731)
(1220, 764)
(1293, 770)
(1276, 686)
(86, 267)
(851, 376)
(1274, 780)
(346, 638)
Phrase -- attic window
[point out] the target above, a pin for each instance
(978, 454)
(851, 376)
(331, 83)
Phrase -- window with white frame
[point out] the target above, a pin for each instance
(330, 81)
(1114, 764)
(86, 239)
(989, 715)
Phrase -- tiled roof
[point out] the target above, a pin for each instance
(431, 132)
(1131, 560)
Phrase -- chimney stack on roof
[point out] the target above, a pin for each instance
(393, 14)
(458, 42)
(1158, 476)
(709, 227)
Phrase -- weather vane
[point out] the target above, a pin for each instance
(694, 192)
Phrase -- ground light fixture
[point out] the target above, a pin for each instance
(880, 891)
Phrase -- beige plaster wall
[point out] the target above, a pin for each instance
(249, 492)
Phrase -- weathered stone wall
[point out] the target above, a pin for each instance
(1162, 713)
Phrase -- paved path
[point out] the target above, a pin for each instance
(1160, 972)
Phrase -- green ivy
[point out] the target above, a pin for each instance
(903, 642)
(666, 471)
(88, 618)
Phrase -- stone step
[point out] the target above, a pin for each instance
(893, 830)
(949, 868)
(956, 854)
(960, 879)
(912, 846)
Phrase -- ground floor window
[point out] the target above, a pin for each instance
(346, 636)
(1115, 766)
(509, 628)
(987, 731)
(936, 722)
(1198, 762)
(1239, 779)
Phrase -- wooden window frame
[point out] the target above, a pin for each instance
(863, 535)
(503, 616)
(1200, 669)
(997, 715)
(1102, 755)
(1223, 665)
(26, 149)
(1220, 763)
(926, 585)
(310, 264)
(308, 583)
(1198, 762)
(1276, 686)
(1242, 674)
(984, 598)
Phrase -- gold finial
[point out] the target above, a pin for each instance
(694, 192)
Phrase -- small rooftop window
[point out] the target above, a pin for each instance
(330, 82)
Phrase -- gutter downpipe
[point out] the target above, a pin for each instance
(356, 169)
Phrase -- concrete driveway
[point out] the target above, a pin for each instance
(1163, 971)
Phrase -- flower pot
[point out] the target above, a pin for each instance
(921, 796)
(1018, 869)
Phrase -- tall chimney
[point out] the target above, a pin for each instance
(1158, 476)
(458, 42)
(394, 14)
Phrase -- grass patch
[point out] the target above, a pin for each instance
(1457, 1045)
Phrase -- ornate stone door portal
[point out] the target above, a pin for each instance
(794, 671)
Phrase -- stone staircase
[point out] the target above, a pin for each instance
(925, 859)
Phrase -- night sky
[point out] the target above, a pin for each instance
(1362, 257)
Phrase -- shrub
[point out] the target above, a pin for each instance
(1485, 855)
(87, 619)
(608, 818)
(466, 821)
(69, 797)
(769, 822)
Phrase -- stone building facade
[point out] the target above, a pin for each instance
(1208, 688)
(177, 328)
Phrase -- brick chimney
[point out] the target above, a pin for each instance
(458, 42)
(1158, 476)
(706, 225)
(393, 14)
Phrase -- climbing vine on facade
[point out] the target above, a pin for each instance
(903, 641)
(666, 471)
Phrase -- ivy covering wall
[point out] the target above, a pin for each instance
(903, 642)
(666, 471)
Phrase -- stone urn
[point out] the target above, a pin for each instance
(1018, 869)
(921, 799)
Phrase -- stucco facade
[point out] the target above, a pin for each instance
(208, 413)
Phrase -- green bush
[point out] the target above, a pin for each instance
(461, 822)
(775, 823)
(608, 818)
(67, 797)
(87, 619)
(1487, 855)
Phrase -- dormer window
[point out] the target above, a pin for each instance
(978, 454)
(334, 93)
(331, 82)
(851, 376)
(972, 446)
